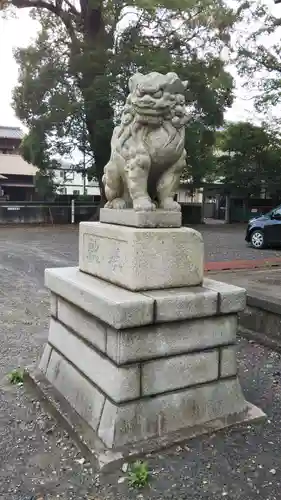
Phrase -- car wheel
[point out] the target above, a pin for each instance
(257, 239)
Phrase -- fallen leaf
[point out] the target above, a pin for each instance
(125, 467)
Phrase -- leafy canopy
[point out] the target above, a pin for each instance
(34, 150)
(250, 157)
(259, 56)
(73, 79)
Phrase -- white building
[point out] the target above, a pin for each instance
(184, 194)
(70, 182)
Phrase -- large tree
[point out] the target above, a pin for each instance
(35, 150)
(250, 158)
(258, 56)
(86, 50)
(49, 102)
(201, 162)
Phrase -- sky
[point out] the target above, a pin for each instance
(14, 33)
(20, 31)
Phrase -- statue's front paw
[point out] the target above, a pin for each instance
(143, 205)
(170, 205)
(117, 204)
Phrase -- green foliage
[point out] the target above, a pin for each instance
(73, 78)
(199, 143)
(259, 57)
(44, 185)
(250, 157)
(35, 150)
(16, 377)
(138, 475)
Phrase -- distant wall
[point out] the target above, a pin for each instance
(44, 213)
(191, 213)
(209, 210)
(55, 213)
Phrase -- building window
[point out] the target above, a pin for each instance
(76, 191)
(69, 176)
(66, 175)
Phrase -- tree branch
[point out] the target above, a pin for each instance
(72, 9)
(53, 8)
(40, 4)
(263, 59)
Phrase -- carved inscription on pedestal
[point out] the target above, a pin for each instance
(103, 256)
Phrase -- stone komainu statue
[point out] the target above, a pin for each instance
(147, 148)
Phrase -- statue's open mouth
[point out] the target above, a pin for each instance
(150, 111)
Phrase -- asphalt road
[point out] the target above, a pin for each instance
(227, 242)
(38, 247)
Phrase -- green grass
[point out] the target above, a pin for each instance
(16, 377)
(138, 475)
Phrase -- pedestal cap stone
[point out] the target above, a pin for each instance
(156, 218)
(141, 258)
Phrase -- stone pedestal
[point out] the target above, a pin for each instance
(140, 344)
(141, 258)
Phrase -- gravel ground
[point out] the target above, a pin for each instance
(38, 458)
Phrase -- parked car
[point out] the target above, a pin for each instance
(265, 230)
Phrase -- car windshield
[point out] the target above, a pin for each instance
(276, 209)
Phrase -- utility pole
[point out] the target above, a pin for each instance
(84, 159)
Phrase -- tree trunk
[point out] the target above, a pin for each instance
(96, 91)
(89, 63)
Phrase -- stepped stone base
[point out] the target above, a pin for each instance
(142, 366)
(95, 451)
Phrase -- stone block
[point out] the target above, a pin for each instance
(231, 298)
(87, 326)
(53, 305)
(177, 372)
(141, 259)
(77, 390)
(262, 326)
(183, 303)
(228, 361)
(129, 217)
(108, 423)
(166, 339)
(44, 361)
(120, 384)
(160, 415)
(113, 305)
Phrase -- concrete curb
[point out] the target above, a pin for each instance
(259, 338)
(243, 264)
